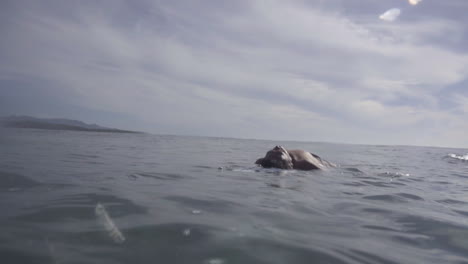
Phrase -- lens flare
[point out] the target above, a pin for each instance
(414, 2)
(390, 15)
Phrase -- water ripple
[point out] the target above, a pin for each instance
(394, 198)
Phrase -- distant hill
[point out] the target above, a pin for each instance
(55, 124)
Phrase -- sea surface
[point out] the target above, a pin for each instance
(88, 197)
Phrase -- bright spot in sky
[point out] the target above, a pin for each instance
(414, 2)
(391, 15)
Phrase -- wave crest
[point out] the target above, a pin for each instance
(459, 157)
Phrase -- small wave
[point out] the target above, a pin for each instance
(394, 174)
(394, 198)
(15, 182)
(458, 157)
(452, 202)
(157, 176)
(236, 168)
(356, 170)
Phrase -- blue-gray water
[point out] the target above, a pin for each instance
(172, 203)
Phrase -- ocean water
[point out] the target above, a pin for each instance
(85, 197)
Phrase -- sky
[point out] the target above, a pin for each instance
(349, 71)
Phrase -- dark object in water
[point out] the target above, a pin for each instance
(297, 159)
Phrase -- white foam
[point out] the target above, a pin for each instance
(109, 225)
(243, 170)
(397, 174)
(455, 156)
(402, 174)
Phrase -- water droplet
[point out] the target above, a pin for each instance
(108, 224)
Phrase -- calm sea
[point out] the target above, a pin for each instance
(81, 197)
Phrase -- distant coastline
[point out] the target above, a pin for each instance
(56, 124)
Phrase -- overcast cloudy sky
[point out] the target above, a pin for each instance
(318, 70)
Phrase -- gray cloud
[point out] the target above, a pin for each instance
(250, 69)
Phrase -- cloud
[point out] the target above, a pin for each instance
(461, 102)
(391, 14)
(253, 70)
(414, 2)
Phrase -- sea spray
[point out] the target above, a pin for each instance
(109, 225)
(459, 157)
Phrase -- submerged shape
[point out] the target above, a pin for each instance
(297, 159)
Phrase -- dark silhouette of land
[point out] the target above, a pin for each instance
(56, 124)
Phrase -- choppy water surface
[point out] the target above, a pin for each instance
(77, 197)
